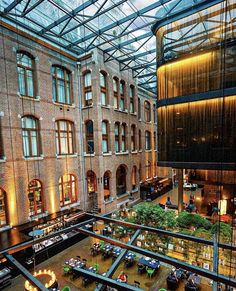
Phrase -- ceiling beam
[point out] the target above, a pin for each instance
(12, 6)
(137, 56)
(122, 21)
(130, 41)
(147, 75)
(67, 16)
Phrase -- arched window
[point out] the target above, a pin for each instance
(89, 137)
(103, 87)
(155, 140)
(117, 137)
(35, 197)
(121, 180)
(147, 111)
(61, 85)
(131, 98)
(115, 91)
(88, 96)
(154, 114)
(3, 208)
(106, 185)
(31, 136)
(122, 95)
(67, 189)
(140, 139)
(134, 177)
(139, 109)
(148, 170)
(91, 182)
(65, 139)
(133, 137)
(105, 145)
(147, 140)
(123, 137)
(25, 70)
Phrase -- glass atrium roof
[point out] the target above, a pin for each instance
(121, 28)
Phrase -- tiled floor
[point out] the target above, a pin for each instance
(83, 249)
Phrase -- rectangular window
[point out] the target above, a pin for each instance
(29, 76)
(122, 104)
(104, 146)
(117, 134)
(116, 102)
(88, 96)
(147, 140)
(103, 98)
(21, 81)
(65, 137)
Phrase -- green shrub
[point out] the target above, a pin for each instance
(154, 216)
(188, 220)
(223, 230)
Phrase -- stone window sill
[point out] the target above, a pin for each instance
(135, 190)
(122, 196)
(89, 155)
(133, 113)
(122, 153)
(67, 156)
(123, 111)
(140, 151)
(148, 151)
(107, 154)
(87, 107)
(134, 152)
(140, 120)
(109, 201)
(3, 159)
(36, 99)
(34, 158)
(63, 104)
(105, 106)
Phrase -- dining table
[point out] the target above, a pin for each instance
(149, 262)
(75, 263)
(116, 251)
(130, 256)
(107, 248)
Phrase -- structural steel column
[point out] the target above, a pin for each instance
(180, 189)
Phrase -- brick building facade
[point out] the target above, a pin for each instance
(58, 139)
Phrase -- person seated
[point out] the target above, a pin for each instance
(172, 281)
(172, 276)
(168, 202)
(191, 285)
(191, 208)
(122, 277)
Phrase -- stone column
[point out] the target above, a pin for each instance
(180, 190)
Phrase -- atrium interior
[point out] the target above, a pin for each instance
(118, 145)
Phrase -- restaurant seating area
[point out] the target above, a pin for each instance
(143, 272)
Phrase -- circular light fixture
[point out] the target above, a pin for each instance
(40, 274)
